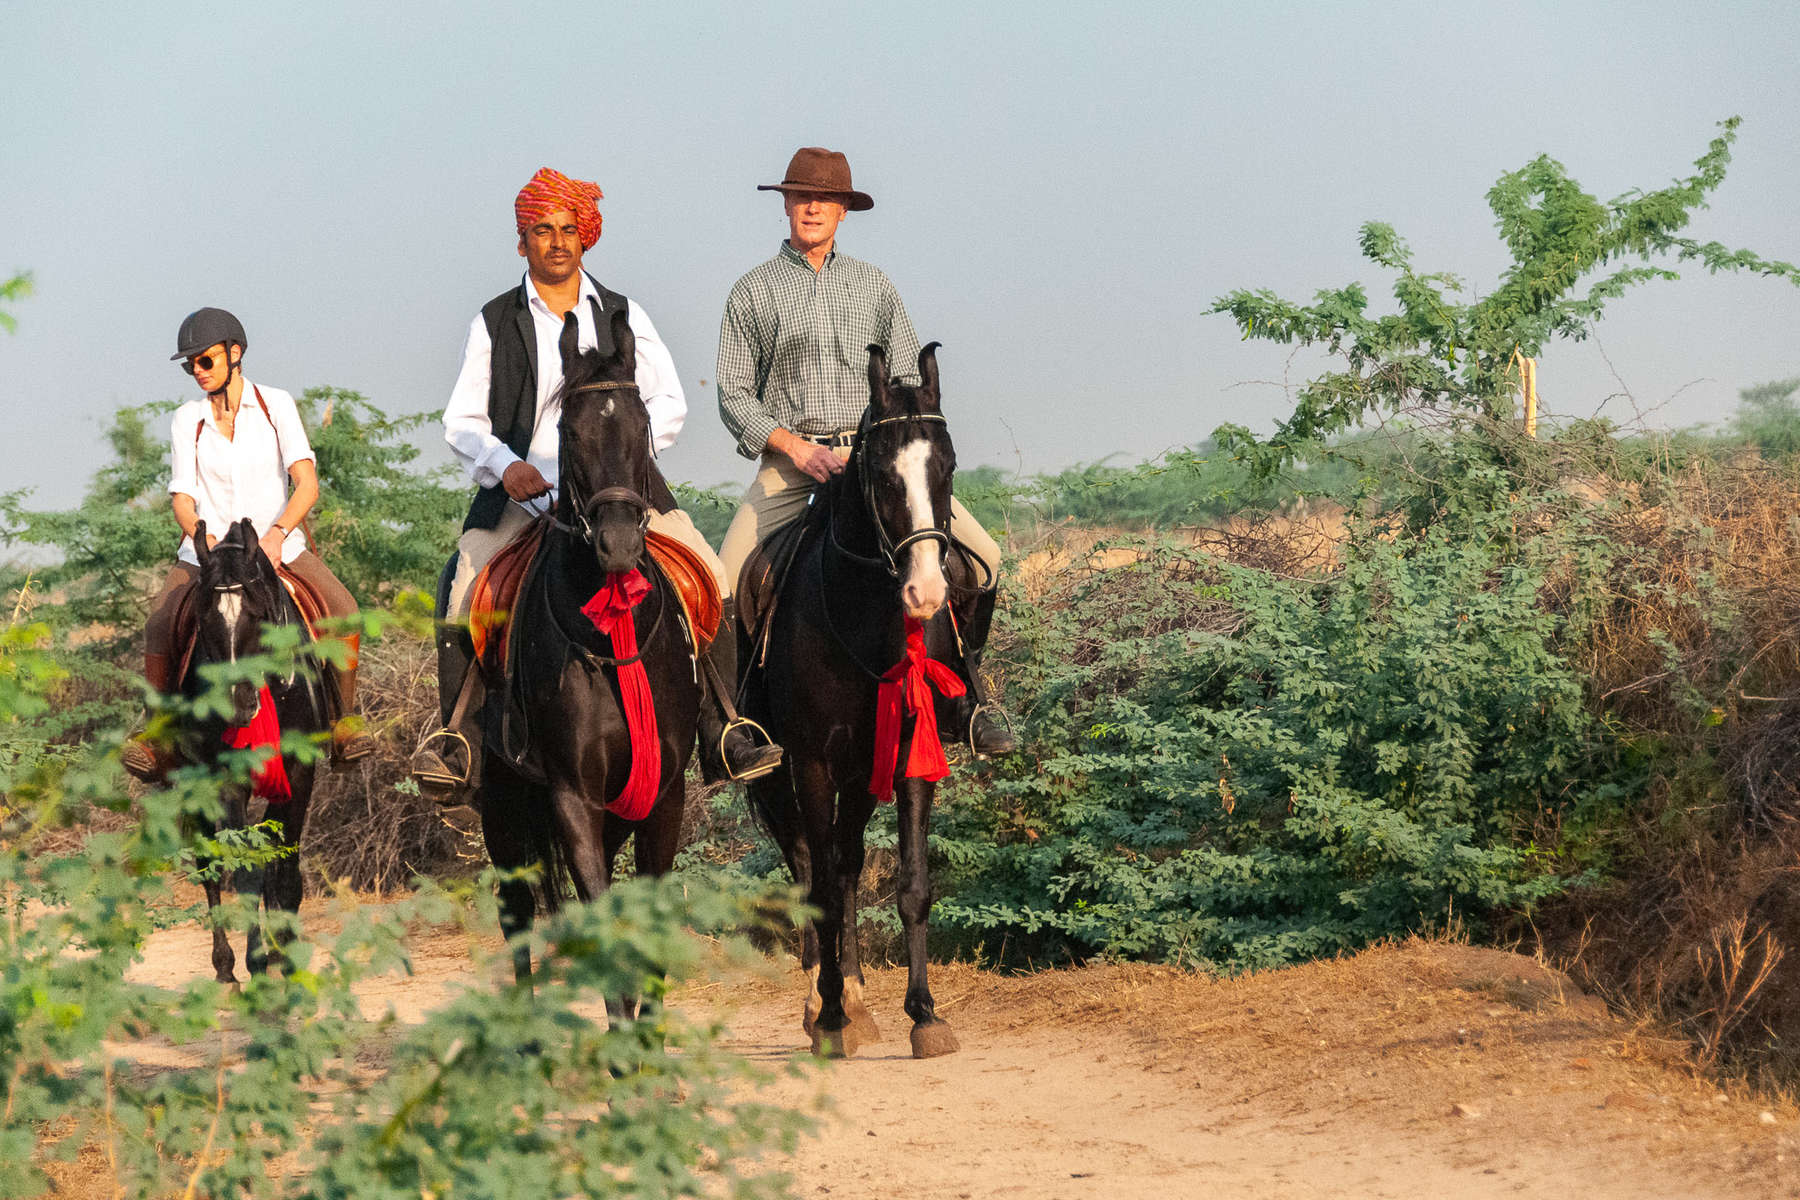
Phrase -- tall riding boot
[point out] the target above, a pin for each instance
(141, 757)
(729, 746)
(446, 761)
(977, 720)
(350, 738)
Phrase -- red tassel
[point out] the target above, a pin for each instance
(907, 687)
(610, 611)
(269, 779)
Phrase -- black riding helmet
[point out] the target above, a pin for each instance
(206, 327)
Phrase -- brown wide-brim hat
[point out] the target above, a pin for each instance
(813, 169)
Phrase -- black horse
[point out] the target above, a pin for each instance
(872, 555)
(238, 594)
(564, 678)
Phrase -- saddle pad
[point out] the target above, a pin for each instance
(693, 581)
(495, 590)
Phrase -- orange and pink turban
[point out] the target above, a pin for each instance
(550, 191)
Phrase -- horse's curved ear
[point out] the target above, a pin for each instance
(878, 378)
(624, 341)
(200, 550)
(928, 373)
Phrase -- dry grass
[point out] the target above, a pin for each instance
(1693, 660)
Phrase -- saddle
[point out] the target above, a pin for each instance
(496, 591)
(185, 631)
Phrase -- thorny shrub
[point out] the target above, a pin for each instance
(502, 1092)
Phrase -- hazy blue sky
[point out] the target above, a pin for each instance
(1060, 189)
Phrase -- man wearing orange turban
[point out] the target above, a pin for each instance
(502, 422)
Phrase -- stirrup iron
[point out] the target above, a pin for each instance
(724, 760)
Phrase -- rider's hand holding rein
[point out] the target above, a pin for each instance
(818, 462)
(523, 481)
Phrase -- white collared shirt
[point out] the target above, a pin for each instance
(245, 475)
(470, 432)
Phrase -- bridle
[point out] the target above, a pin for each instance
(890, 549)
(582, 528)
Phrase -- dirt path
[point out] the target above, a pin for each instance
(1425, 1070)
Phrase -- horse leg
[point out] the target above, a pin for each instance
(831, 1035)
(653, 846)
(223, 960)
(930, 1036)
(772, 799)
(283, 886)
(511, 847)
(855, 807)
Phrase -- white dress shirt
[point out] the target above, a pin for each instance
(470, 432)
(245, 475)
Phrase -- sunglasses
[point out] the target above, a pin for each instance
(204, 362)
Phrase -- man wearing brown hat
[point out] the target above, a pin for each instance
(793, 378)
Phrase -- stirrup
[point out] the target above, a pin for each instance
(725, 760)
(444, 780)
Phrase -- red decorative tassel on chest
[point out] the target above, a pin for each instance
(610, 611)
(907, 688)
(269, 779)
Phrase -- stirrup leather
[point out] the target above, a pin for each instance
(725, 761)
(445, 779)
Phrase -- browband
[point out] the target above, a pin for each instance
(613, 386)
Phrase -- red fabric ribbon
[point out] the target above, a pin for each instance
(270, 778)
(907, 687)
(610, 611)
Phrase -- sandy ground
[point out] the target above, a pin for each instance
(1420, 1070)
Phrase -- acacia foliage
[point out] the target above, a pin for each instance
(1571, 255)
(502, 1093)
(1229, 767)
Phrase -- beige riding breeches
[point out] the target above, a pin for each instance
(777, 498)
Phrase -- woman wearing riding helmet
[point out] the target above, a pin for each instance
(235, 453)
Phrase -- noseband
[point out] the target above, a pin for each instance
(582, 527)
(891, 550)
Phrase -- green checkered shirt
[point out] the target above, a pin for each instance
(793, 347)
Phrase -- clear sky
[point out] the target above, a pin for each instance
(1061, 189)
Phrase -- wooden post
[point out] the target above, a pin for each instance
(1528, 390)
(1531, 397)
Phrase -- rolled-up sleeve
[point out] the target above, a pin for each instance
(740, 373)
(657, 381)
(466, 424)
(184, 466)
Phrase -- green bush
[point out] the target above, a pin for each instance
(1231, 768)
(504, 1092)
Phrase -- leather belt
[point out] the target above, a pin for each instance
(842, 438)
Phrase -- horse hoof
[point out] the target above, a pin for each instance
(933, 1039)
(867, 1031)
(841, 1043)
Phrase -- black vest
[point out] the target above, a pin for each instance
(512, 379)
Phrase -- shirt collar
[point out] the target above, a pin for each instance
(537, 302)
(794, 256)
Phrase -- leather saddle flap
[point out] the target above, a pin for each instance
(762, 574)
(493, 596)
(693, 581)
(310, 603)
